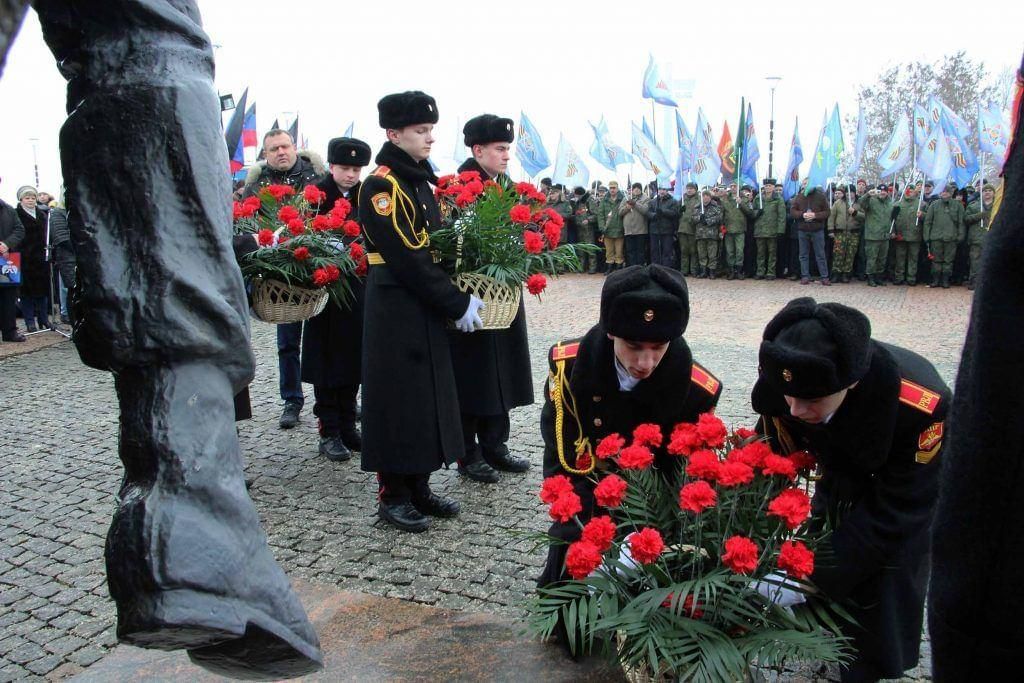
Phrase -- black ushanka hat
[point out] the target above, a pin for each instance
(488, 128)
(645, 303)
(409, 108)
(348, 152)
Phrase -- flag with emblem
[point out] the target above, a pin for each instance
(245, 153)
(934, 159)
(939, 110)
(791, 183)
(993, 137)
(646, 129)
(529, 147)
(896, 153)
(705, 163)
(860, 140)
(655, 87)
(569, 167)
(965, 161)
(921, 125)
(727, 154)
(825, 161)
(606, 152)
(649, 154)
(684, 141)
(751, 153)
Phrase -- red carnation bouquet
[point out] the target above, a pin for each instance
(298, 245)
(502, 231)
(695, 538)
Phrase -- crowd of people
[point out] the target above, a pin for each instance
(880, 234)
(37, 231)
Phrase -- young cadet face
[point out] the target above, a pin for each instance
(639, 358)
(815, 410)
(280, 151)
(345, 177)
(415, 140)
(493, 157)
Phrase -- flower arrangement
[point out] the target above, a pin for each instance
(298, 245)
(502, 231)
(684, 566)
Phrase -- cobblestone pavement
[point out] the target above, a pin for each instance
(61, 472)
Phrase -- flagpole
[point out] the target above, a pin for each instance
(654, 124)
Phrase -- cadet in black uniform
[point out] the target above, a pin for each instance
(633, 367)
(492, 367)
(872, 414)
(410, 418)
(332, 341)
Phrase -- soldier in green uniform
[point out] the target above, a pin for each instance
(906, 243)
(560, 205)
(843, 230)
(735, 221)
(707, 220)
(876, 210)
(610, 225)
(978, 218)
(689, 264)
(769, 224)
(586, 228)
(943, 229)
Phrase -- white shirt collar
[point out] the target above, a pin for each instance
(627, 382)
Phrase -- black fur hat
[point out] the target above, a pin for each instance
(348, 152)
(810, 350)
(645, 303)
(488, 128)
(402, 109)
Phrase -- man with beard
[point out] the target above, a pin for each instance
(332, 341)
(492, 367)
(410, 421)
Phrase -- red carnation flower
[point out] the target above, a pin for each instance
(703, 465)
(536, 284)
(803, 460)
(356, 251)
(697, 496)
(538, 197)
(600, 531)
(342, 207)
(691, 607)
(583, 461)
(646, 545)
(610, 491)
(278, 192)
(554, 487)
(554, 217)
(238, 211)
(320, 224)
(475, 186)
(721, 229)
(443, 181)
(685, 439)
(553, 233)
(321, 278)
(635, 458)
(313, 194)
(740, 555)
(734, 473)
(333, 272)
(296, 226)
(469, 176)
(610, 446)
(793, 506)
(525, 188)
(301, 253)
(287, 213)
(565, 506)
(491, 183)
(533, 242)
(252, 204)
(350, 228)
(265, 238)
(362, 267)
(796, 559)
(744, 433)
(334, 220)
(647, 435)
(712, 430)
(776, 464)
(519, 214)
(582, 559)
(752, 454)
(464, 199)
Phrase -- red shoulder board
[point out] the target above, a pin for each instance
(562, 351)
(382, 171)
(925, 400)
(704, 379)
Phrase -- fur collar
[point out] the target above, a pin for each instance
(403, 165)
(311, 157)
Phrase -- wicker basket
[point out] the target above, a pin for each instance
(276, 302)
(501, 302)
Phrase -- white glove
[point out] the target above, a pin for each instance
(470, 320)
(781, 590)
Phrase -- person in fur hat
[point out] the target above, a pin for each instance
(872, 415)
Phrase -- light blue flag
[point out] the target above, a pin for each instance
(647, 129)
(350, 131)
(922, 125)
(965, 161)
(861, 139)
(607, 153)
(896, 154)
(529, 148)
(569, 167)
(655, 87)
(934, 159)
(685, 143)
(791, 183)
(649, 154)
(705, 164)
(992, 132)
(751, 153)
(825, 161)
(937, 109)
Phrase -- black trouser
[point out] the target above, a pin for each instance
(395, 489)
(663, 249)
(335, 409)
(8, 311)
(490, 431)
(636, 250)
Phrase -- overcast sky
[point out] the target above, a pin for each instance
(561, 63)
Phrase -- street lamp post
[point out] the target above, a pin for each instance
(773, 82)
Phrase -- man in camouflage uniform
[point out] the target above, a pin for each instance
(707, 219)
(735, 222)
(876, 211)
(978, 220)
(586, 227)
(907, 238)
(843, 231)
(561, 206)
(769, 223)
(689, 264)
(610, 225)
(943, 229)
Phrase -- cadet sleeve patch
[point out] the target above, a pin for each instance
(925, 400)
(382, 171)
(929, 443)
(381, 203)
(562, 351)
(704, 379)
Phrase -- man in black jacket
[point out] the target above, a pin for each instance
(332, 341)
(492, 367)
(12, 232)
(663, 222)
(411, 421)
(872, 415)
